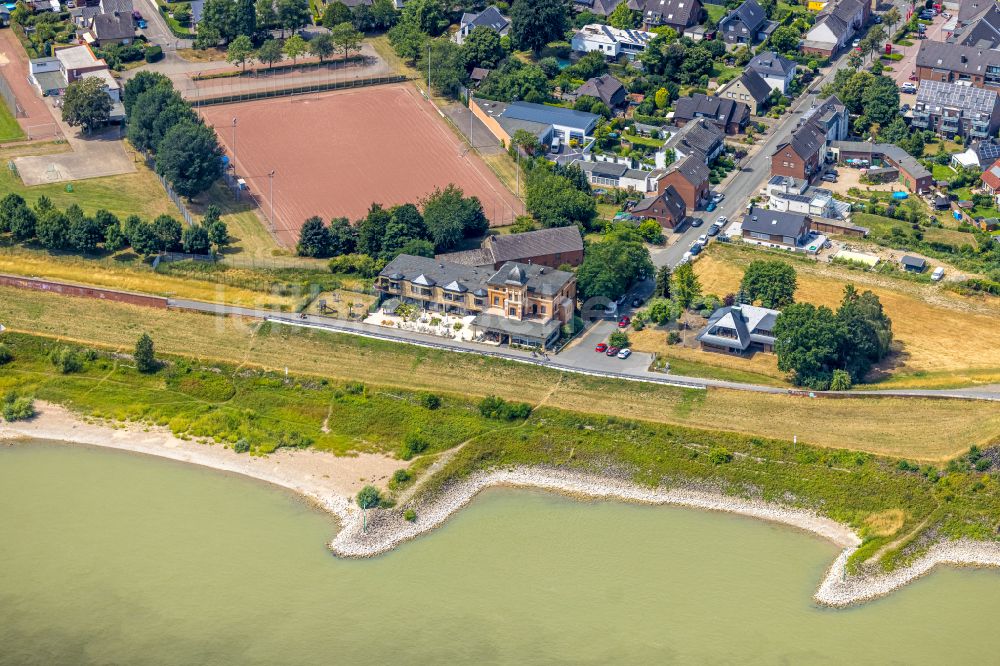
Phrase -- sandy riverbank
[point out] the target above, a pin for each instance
(332, 481)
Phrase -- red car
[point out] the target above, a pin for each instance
(624, 322)
(612, 351)
(601, 347)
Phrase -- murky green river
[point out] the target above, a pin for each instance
(111, 558)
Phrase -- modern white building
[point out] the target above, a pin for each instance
(612, 42)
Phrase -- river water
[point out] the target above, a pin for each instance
(108, 557)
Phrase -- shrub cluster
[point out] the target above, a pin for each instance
(493, 407)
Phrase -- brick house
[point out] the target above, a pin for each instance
(667, 208)
(689, 177)
(728, 115)
(547, 247)
(800, 156)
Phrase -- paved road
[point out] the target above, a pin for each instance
(584, 361)
(158, 32)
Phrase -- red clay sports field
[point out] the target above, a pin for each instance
(333, 154)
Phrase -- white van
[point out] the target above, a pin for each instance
(556, 143)
(937, 274)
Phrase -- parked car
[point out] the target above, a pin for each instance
(710, 207)
(703, 239)
(856, 44)
(937, 274)
(625, 353)
(696, 221)
(878, 19)
(722, 221)
(695, 249)
(908, 88)
(601, 347)
(714, 230)
(718, 196)
(612, 351)
(637, 301)
(904, 108)
(142, 24)
(829, 177)
(624, 321)
(913, 76)
(686, 258)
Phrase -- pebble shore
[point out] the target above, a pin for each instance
(387, 529)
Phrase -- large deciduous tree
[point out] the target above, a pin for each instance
(610, 267)
(450, 216)
(535, 23)
(555, 202)
(772, 283)
(189, 157)
(686, 286)
(245, 18)
(482, 48)
(807, 341)
(314, 239)
(86, 104)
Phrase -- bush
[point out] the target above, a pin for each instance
(618, 339)
(841, 381)
(6, 356)
(154, 53)
(719, 456)
(145, 354)
(410, 515)
(673, 338)
(493, 407)
(413, 444)
(368, 497)
(401, 476)
(430, 401)
(241, 446)
(18, 409)
(354, 388)
(65, 360)
(360, 264)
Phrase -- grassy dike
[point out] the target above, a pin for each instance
(889, 504)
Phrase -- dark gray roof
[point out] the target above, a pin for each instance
(112, 26)
(969, 10)
(755, 85)
(599, 7)
(668, 12)
(774, 222)
(548, 115)
(749, 13)
(805, 141)
(988, 151)
(983, 32)
(693, 169)
(477, 257)
(120, 6)
(489, 17)
(698, 135)
(606, 88)
(514, 247)
(538, 279)
(461, 277)
(718, 109)
(915, 262)
(770, 63)
(748, 322)
(525, 328)
(670, 198)
(888, 150)
(969, 60)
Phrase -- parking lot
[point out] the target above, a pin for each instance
(902, 69)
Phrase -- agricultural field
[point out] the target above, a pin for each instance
(874, 424)
(932, 326)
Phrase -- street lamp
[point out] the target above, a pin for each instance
(270, 195)
(234, 144)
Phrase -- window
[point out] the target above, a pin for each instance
(512, 312)
(496, 300)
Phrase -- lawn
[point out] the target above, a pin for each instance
(643, 140)
(9, 129)
(882, 425)
(942, 172)
(965, 194)
(932, 326)
(715, 12)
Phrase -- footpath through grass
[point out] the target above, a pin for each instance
(259, 411)
(878, 425)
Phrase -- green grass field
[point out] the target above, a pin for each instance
(9, 129)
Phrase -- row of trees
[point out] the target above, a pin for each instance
(72, 230)
(873, 99)
(342, 37)
(443, 219)
(558, 195)
(162, 123)
(225, 20)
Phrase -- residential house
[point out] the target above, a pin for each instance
(777, 71)
(52, 75)
(689, 177)
(108, 29)
(801, 156)
(75, 61)
(952, 63)
(666, 207)
(911, 173)
(793, 195)
(46, 75)
(913, 264)
(523, 304)
(739, 329)
(618, 175)
(991, 181)
(112, 6)
(952, 109)
(612, 42)
(835, 27)
(554, 247)
(488, 18)
(606, 88)
(980, 26)
(747, 24)
(677, 14)
(698, 137)
(777, 229)
(831, 116)
(750, 89)
(598, 7)
(979, 155)
(545, 122)
(728, 115)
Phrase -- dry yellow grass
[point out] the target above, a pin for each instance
(940, 429)
(935, 329)
(885, 523)
(129, 277)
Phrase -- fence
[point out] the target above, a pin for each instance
(11, 99)
(242, 90)
(185, 213)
